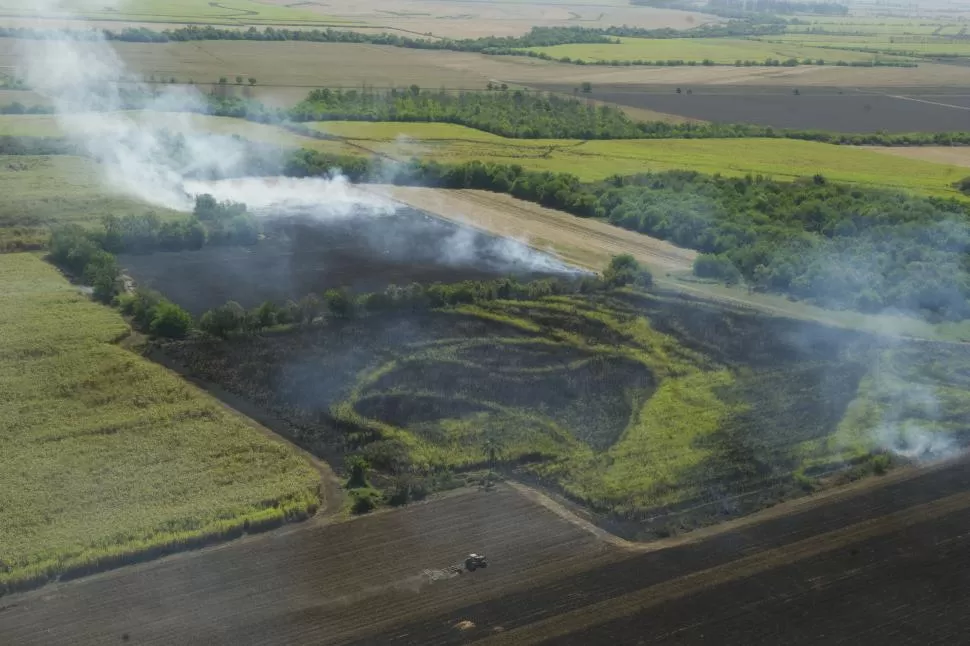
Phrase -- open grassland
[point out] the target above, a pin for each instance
(39, 191)
(230, 12)
(719, 50)
(592, 160)
(106, 456)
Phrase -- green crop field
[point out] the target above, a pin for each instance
(719, 50)
(230, 12)
(914, 45)
(40, 191)
(105, 454)
(875, 25)
(592, 160)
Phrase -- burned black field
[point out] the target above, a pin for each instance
(363, 252)
(891, 110)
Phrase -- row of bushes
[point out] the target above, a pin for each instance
(340, 304)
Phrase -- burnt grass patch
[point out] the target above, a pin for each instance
(890, 110)
(301, 254)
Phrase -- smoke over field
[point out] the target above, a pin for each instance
(322, 234)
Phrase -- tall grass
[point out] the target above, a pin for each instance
(107, 458)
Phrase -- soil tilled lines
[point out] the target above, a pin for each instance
(748, 566)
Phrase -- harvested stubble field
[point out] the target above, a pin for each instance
(867, 553)
(582, 242)
(107, 457)
(836, 109)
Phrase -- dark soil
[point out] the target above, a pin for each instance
(892, 110)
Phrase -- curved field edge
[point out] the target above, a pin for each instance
(109, 459)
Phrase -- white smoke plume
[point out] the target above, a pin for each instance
(323, 198)
(82, 77)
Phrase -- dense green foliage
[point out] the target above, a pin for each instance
(153, 313)
(838, 246)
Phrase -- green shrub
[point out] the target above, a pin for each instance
(170, 321)
(718, 267)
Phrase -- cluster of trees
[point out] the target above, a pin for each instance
(153, 313)
(74, 249)
(77, 251)
(835, 245)
(507, 113)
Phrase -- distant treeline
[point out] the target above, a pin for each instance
(491, 45)
(10, 145)
(835, 245)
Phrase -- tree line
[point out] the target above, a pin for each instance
(342, 305)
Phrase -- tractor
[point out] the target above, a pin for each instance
(475, 561)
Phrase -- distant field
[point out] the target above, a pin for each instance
(719, 50)
(40, 191)
(850, 110)
(876, 25)
(952, 155)
(446, 18)
(591, 160)
(106, 454)
(230, 12)
(917, 45)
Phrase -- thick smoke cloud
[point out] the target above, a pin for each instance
(139, 154)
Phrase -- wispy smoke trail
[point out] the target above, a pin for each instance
(137, 152)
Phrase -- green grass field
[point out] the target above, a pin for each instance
(230, 12)
(914, 45)
(592, 160)
(106, 454)
(40, 191)
(719, 50)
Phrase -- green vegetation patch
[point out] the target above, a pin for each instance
(724, 51)
(106, 456)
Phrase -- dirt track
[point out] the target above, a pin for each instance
(582, 242)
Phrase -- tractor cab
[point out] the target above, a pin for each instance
(475, 561)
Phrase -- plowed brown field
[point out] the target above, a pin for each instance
(887, 561)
